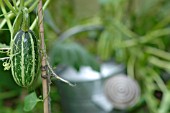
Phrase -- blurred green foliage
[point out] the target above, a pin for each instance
(137, 34)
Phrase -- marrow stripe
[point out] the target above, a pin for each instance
(22, 60)
(33, 58)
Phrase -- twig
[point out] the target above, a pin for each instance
(45, 84)
(56, 76)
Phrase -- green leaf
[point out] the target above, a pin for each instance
(30, 101)
(105, 45)
(49, 20)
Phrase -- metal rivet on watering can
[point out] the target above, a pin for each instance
(122, 91)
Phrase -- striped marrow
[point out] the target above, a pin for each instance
(25, 58)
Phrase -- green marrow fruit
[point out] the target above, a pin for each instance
(24, 52)
(25, 58)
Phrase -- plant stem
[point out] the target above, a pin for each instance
(33, 6)
(45, 84)
(131, 66)
(11, 15)
(124, 29)
(157, 79)
(10, 6)
(21, 4)
(164, 105)
(158, 52)
(6, 16)
(25, 20)
(3, 22)
(159, 63)
(15, 4)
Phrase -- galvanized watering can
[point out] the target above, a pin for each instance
(97, 92)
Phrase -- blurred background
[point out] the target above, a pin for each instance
(115, 51)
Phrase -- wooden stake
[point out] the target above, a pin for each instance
(45, 81)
